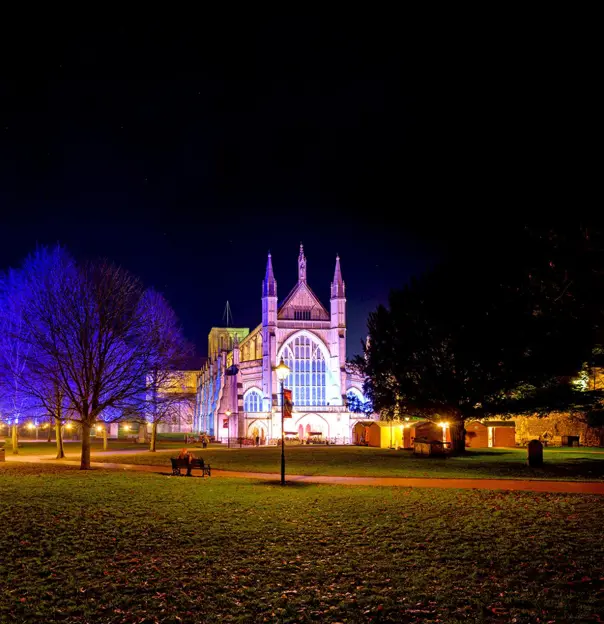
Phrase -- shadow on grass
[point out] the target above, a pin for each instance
(472, 453)
(276, 483)
(184, 476)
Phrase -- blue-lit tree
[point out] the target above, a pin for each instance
(168, 393)
(15, 355)
(89, 331)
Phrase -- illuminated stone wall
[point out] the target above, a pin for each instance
(553, 427)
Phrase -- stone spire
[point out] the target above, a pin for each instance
(269, 285)
(337, 286)
(301, 265)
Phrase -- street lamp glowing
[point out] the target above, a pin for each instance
(126, 427)
(228, 412)
(282, 370)
(68, 425)
(99, 427)
(31, 426)
(444, 425)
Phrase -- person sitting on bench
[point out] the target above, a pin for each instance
(185, 454)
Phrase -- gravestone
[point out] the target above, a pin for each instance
(535, 454)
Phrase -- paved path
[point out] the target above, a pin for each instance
(568, 487)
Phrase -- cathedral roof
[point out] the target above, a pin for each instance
(302, 297)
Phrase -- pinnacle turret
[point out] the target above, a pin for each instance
(301, 265)
(269, 285)
(338, 287)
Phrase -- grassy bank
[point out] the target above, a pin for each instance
(115, 547)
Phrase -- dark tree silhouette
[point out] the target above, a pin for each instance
(501, 331)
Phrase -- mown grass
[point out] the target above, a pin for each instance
(50, 448)
(570, 464)
(123, 547)
(560, 463)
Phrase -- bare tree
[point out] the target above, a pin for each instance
(89, 329)
(169, 395)
(15, 350)
(51, 398)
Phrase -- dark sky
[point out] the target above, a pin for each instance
(185, 157)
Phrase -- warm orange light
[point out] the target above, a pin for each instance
(31, 426)
(444, 425)
(282, 370)
(126, 427)
(68, 425)
(228, 412)
(99, 427)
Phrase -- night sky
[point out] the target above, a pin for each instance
(186, 157)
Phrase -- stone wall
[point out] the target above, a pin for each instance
(553, 427)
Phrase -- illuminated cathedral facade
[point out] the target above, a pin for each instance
(238, 393)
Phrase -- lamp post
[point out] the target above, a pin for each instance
(444, 426)
(228, 415)
(282, 372)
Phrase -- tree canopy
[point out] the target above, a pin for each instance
(92, 333)
(496, 330)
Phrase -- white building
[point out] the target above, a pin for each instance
(238, 393)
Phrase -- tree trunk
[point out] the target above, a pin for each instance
(153, 443)
(142, 433)
(85, 461)
(50, 430)
(59, 434)
(105, 437)
(458, 437)
(15, 439)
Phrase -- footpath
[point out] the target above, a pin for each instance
(565, 487)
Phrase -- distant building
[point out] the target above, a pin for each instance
(180, 419)
(238, 393)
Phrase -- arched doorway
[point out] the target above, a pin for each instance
(258, 429)
(312, 425)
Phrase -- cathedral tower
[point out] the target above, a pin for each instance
(338, 323)
(269, 324)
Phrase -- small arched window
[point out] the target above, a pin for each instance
(252, 402)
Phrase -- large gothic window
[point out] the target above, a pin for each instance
(307, 363)
(252, 401)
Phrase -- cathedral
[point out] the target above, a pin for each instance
(238, 393)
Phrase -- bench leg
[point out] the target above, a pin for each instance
(176, 472)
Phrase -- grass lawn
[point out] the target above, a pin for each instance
(565, 464)
(50, 448)
(560, 463)
(124, 547)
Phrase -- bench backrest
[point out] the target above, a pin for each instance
(183, 463)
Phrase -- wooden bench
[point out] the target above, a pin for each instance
(196, 464)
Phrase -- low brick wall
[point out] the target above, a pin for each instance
(553, 427)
